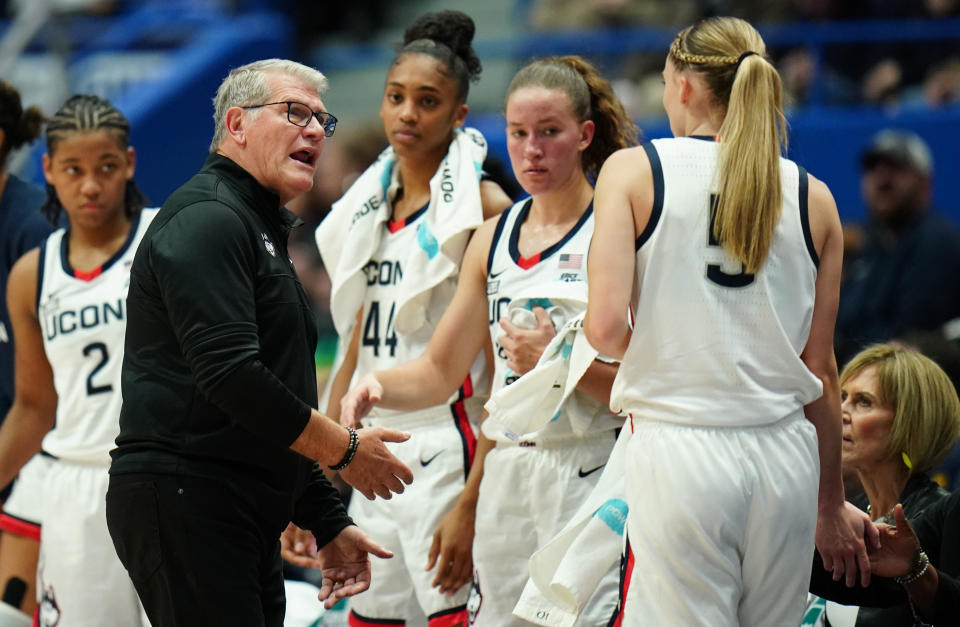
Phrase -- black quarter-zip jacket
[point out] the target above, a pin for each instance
(218, 374)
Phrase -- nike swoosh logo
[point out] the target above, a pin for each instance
(586, 473)
(426, 462)
(495, 275)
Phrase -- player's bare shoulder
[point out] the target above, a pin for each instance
(475, 259)
(22, 283)
(626, 180)
(629, 159)
(493, 199)
(823, 215)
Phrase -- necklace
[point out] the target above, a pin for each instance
(886, 519)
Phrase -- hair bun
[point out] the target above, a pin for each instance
(31, 125)
(454, 29)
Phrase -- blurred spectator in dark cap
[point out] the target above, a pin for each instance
(899, 147)
(903, 272)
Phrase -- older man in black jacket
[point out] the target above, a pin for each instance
(218, 432)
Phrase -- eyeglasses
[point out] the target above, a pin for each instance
(299, 114)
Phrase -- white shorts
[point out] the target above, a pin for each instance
(720, 531)
(80, 580)
(528, 494)
(22, 513)
(439, 451)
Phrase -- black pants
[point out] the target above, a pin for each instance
(197, 553)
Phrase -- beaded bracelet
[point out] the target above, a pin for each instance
(918, 570)
(351, 451)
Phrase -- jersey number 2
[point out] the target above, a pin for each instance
(714, 272)
(97, 347)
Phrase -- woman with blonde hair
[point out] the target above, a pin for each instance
(918, 422)
(901, 416)
(728, 257)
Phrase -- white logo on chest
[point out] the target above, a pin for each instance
(268, 245)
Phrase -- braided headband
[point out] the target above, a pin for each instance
(699, 59)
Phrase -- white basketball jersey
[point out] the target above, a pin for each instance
(380, 346)
(510, 277)
(83, 320)
(712, 345)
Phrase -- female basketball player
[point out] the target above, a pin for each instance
(562, 122)
(393, 246)
(732, 257)
(67, 302)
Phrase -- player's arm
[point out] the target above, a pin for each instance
(493, 199)
(840, 530)
(35, 403)
(524, 348)
(597, 381)
(459, 337)
(453, 539)
(622, 203)
(344, 374)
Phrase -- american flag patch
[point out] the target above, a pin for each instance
(570, 261)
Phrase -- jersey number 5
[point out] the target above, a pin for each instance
(714, 272)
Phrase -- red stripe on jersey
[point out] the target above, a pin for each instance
(624, 588)
(19, 527)
(395, 225)
(528, 262)
(466, 390)
(87, 276)
(466, 432)
(355, 620)
(449, 618)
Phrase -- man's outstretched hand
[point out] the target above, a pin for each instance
(344, 562)
(345, 565)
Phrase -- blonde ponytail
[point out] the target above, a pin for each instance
(730, 55)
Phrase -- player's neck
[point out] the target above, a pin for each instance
(415, 172)
(563, 204)
(90, 248)
(414, 176)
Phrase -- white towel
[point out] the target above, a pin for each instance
(350, 234)
(537, 398)
(567, 569)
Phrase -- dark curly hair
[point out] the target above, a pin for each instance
(447, 37)
(19, 126)
(84, 113)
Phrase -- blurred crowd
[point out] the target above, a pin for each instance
(889, 74)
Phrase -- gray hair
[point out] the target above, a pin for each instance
(247, 85)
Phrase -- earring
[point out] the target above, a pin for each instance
(906, 460)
